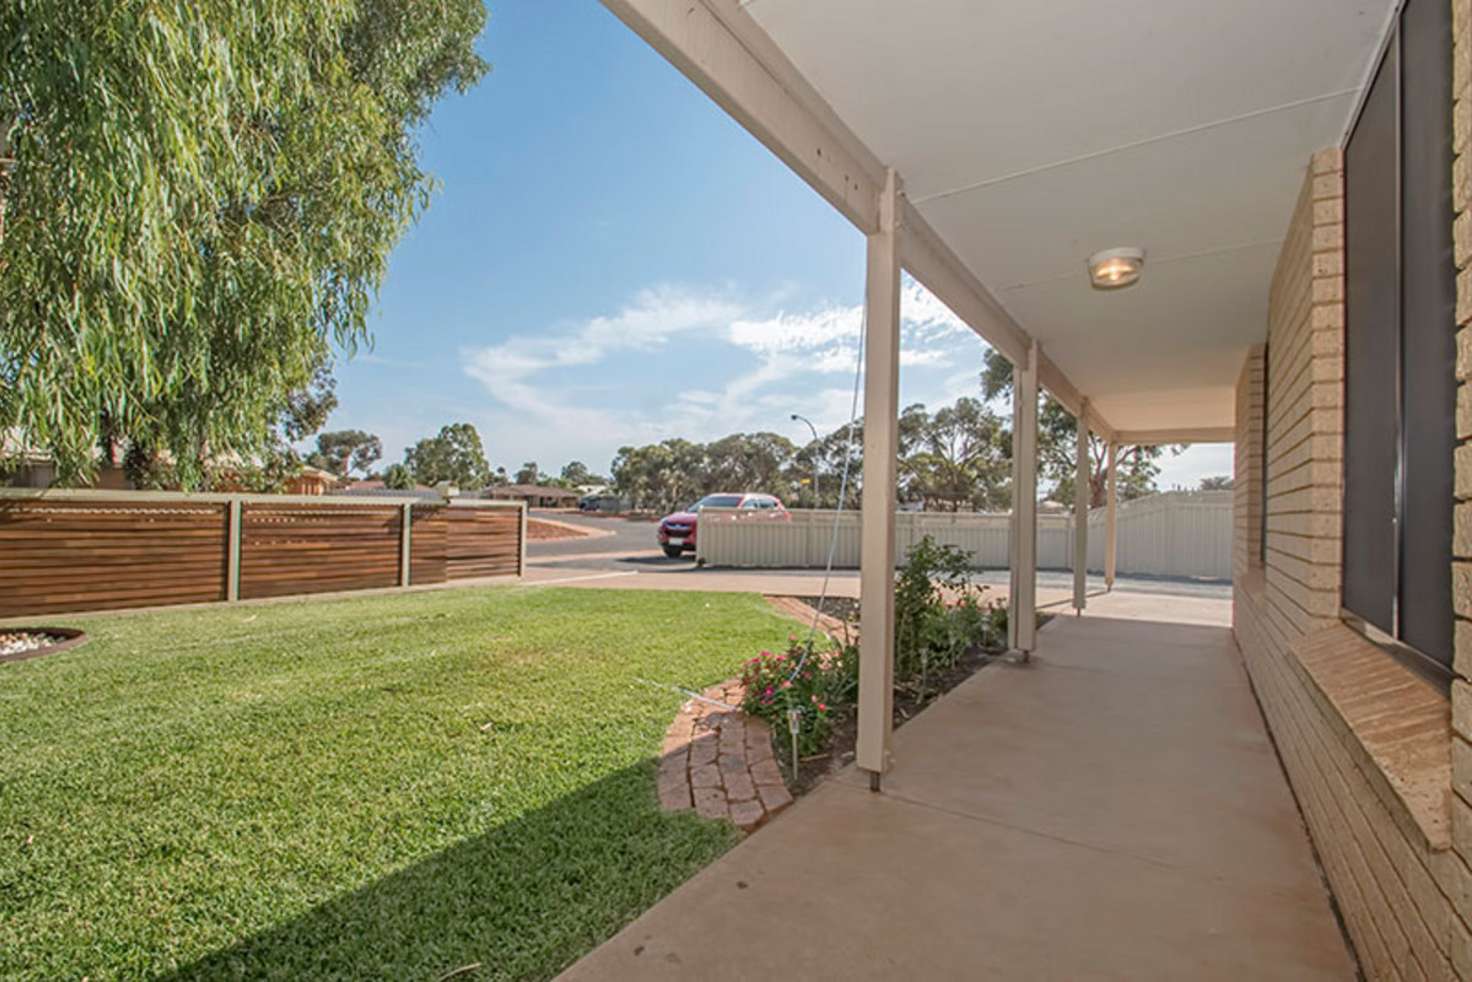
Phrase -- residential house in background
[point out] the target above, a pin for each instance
(534, 495)
(374, 487)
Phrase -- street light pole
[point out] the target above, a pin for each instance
(796, 417)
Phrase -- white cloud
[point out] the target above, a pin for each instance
(654, 317)
(787, 333)
(803, 362)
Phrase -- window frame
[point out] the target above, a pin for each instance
(1425, 664)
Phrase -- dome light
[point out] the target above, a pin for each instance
(1113, 269)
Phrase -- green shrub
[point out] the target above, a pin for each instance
(939, 613)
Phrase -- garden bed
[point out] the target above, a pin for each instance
(946, 629)
(20, 643)
(908, 703)
(544, 530)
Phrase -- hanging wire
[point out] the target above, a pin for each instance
(848, 454)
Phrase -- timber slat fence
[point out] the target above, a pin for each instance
(1177, 533)
(78, 550)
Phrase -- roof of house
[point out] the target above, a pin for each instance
(376, 487)
(528, 491)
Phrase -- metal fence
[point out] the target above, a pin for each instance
(98, 550)
(1177, 533)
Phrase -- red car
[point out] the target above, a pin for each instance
(677, 531)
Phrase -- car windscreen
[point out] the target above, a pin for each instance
(717, 501)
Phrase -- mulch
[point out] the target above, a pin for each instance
(540, 531)
(908, 703)
(20, 643)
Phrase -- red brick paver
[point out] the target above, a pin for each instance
(803, 613)
(718, 761)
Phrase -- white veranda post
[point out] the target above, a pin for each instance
(1111, 516)
(881, 447)
(1022, 621)
(1082, 492)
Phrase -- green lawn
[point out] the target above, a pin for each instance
(385, 787)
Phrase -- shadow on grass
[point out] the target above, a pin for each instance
(523, 901)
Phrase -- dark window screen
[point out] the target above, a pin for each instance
(1371, 344)
(1428, 340)
(1262, 517)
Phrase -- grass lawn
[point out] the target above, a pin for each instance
(384, 787)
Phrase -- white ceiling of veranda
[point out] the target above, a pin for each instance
(1031, 134)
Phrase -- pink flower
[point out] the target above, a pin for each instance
(787, 684)
(822, 708)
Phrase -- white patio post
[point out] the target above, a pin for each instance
(881, 447)
(1022, 619)
(1111, 531)
(1082, 493)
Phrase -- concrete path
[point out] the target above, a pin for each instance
(637, 571)
(1112, 811)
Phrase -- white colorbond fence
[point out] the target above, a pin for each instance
(1178, 533)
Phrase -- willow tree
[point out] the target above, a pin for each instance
(197, 203)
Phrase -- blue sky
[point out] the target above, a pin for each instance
(610, 260)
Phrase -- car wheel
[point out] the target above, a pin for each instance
(673, 552)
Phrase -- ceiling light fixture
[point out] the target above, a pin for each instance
(1116, 268)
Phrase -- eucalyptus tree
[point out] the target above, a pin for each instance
(197, 202)
(455, 454)
(345, 451)
(1138, 465)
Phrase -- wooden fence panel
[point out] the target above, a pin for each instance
(100, 550)
(95, 555)
(483, 542)
(428, 540)
(310, 548)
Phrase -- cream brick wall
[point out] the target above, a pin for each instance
(1461, 799)
(1374, 796)
(1247, 467)
(1305, 385)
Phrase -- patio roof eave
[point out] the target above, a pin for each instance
(722, 50)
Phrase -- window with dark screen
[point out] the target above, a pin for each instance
(1400, 388)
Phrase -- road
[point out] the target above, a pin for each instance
(629, 557)
(616, 535)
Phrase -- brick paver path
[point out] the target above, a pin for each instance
(718, 761)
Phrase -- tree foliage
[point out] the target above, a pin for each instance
(345, 451)
(398, 477)
(953, 459)
(454, 455)
(576, 473)
(1137, 466)
(957, 458)
(197, 202)
(662, 476)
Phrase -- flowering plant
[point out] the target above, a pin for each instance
(820, 685)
